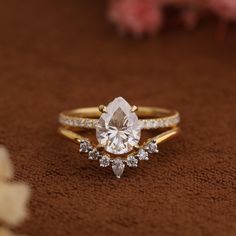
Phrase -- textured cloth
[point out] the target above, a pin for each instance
(57, 55)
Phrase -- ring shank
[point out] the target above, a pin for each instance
(77, 138)
(149, 117)
(93, 112)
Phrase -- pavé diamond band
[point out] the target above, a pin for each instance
(118, 132)
(88, 117)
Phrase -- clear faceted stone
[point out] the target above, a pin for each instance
(94, 154)
(143, 155)
(118, 130)
(132, 161)
(118, 167)
(104, 161)
(85, 147)
(152, 147)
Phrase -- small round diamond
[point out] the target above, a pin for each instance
(93, 155)
(104, 161)
(85, 146)
(143, 155)
(132, 161)
(152, 147)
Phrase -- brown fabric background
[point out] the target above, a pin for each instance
(56, 55)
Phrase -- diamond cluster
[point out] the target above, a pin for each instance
(118, 164)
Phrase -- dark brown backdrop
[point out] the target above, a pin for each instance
(56, 55)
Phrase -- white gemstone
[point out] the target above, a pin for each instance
(104, 161)
(132, 161)
(93, 155)
(152, 147)
(118, 167)
(85, 146)
(118, 129)
(143, 155)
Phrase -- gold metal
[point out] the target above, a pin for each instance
(93, 112)
(88, 117)
(100, 147)
(77, 138)
(134, 108)
(102, 109)
(166, 135)
(136, 147)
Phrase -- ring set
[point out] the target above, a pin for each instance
(118, 132)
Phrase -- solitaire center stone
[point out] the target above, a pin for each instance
(118, 130)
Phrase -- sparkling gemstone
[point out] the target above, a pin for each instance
(143, 155)
(152, 147)
(104, 161)
(132, 161)
(94, 154)
(118, 130)
(118, 167)
(85, 146)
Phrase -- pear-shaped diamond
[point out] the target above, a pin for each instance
(118, 129)
(118, 167)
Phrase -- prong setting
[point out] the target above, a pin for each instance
(134, 108)
(100, 147)
(102, 109)
(141, 153)
(136, 147)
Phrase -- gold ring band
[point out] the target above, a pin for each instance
(118, 131)
(77, 138)
(151, 117)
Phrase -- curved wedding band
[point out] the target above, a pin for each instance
(118, 131)
(77, 138)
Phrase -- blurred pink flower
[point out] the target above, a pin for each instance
(226, 9)
(136, 16)
(190, 18)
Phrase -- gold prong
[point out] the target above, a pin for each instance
(136, 147)
(102, 109)
(100, 147)
(134, 108)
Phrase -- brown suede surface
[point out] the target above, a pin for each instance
(57, 55)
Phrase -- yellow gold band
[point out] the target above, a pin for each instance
(77, 138)
(150, 117)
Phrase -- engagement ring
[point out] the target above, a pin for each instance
(118, 132)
